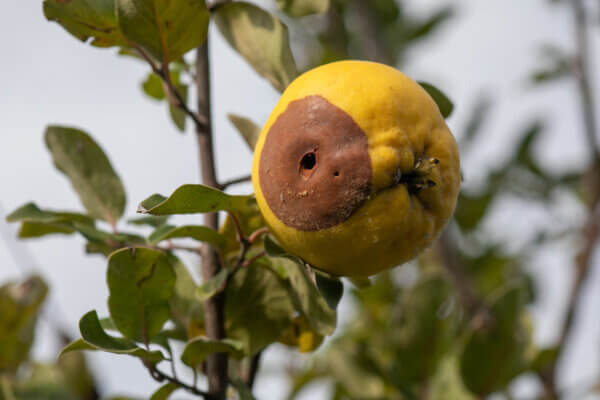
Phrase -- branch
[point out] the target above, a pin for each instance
(160, 376)
(241, 179)
(173, 95)
(214, 307)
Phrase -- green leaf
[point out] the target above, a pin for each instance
(108, 324)
(94, 338)
(141, 282)
(98, 248)
(31, 212)
(471, 209)
(559, 64)
(424, 28)
(153, 87)
(212, 286)
(273, 249)
(331, 289)
(151, 202)
(524, 150)
(35, 229)
(257, 307)
(348, 364)
(196, 232)
(443, 102)
(424, 333)
(167, 29)
(360, 282)
(196, 351)
(186, 310)
(260, 38)
(37, 222)
(74, 373)
(243, 390)
(178, 116)
(491, 270)
(19, 307)
(94, 234)
(248, 129)
(495, 354)
(308, 300)
(164, 391)
(300, 8)
(446, 384)
(544, 358)
(150, 220)
(479, 115)
(190, 199)
(77, 155)
(95, 20)
(250, 220)
(123, 398)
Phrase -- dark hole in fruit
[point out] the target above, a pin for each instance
(336, 173)
(308, 161)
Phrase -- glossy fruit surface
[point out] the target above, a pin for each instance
(355, 170)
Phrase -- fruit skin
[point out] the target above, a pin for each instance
(402, 124)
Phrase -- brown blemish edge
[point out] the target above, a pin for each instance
(315, 168)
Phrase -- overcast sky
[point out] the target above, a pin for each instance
(46, 76)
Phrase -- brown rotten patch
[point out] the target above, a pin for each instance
(315, 169)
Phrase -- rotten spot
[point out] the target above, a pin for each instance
(315, 169)
(308, 162)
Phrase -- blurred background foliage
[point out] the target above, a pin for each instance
(453, 324)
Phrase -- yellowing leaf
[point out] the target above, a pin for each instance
(260, 38)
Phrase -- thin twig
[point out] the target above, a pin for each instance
(250, 373)
(172, 93)
(191, 249)
(235, 181)
(253, 258)
(238, 227)
(160, 376)
(257, 233)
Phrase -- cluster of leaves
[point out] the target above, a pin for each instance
(21, 378)
(153, 299)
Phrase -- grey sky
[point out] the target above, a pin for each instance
(46, 76)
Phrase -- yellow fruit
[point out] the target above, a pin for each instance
(355, 170)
